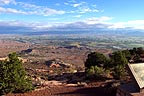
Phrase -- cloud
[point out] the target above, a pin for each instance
(65, 3)
(57, 4)
(78, 16)
(28, 9)
(95, 20)
(14, 27)
(135, 24)
(82, 25)
(78, 4)
(81, 7)
(40, 10)
(88, 25)
(10, 10)
(6, 2)
(86, 9)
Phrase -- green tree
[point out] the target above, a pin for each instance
(96, 71)
(119, 72)
(119, 61)
(118, 58)
(96, 64)
(13, 76)
(127, 54)
(95, 59)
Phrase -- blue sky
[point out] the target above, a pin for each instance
(44, 15)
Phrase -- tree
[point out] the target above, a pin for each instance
(96, 64)
(119, 72)
(137, 58)
(119, 61)
(140, 50)
(95, 72)
(118, 58)
(127, 54)
(95, 59)
(13, 76)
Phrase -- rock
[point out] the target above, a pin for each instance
(71, 85)
(82, 84)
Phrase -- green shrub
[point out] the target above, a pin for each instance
(13, 76)
(96, 72)
(95, 59)
(119, 72)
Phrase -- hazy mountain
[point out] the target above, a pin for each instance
(71, 28)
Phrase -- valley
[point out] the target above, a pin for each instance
(57, 62)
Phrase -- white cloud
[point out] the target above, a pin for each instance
(10, 10)
(28, 9)
(43, 12)
(48, 11)
(95, 20)
(78, 16)
(15, 23)
(78, 4)
(28, 6)
(81, 7)
(85, 25)
(136, 24)
(65, 3)
(84, 9)
(57, 4)
(6, 2)
(40, 10)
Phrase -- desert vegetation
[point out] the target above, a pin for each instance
(98, 65)
(13, 76)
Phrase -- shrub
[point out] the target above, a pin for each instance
(13, 76)
(96, 72)
(95, 58)
(119, 72)
(119, 62)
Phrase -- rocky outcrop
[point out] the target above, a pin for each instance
(20, 58)
(38, 81)
(57, 63)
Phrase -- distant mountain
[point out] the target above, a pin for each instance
(73, 28)
(90, 32)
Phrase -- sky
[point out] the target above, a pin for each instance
(49, 15)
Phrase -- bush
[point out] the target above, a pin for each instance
(95, 58)
(119, 72)
(119, 62)
(96, 72)
(13, 76)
